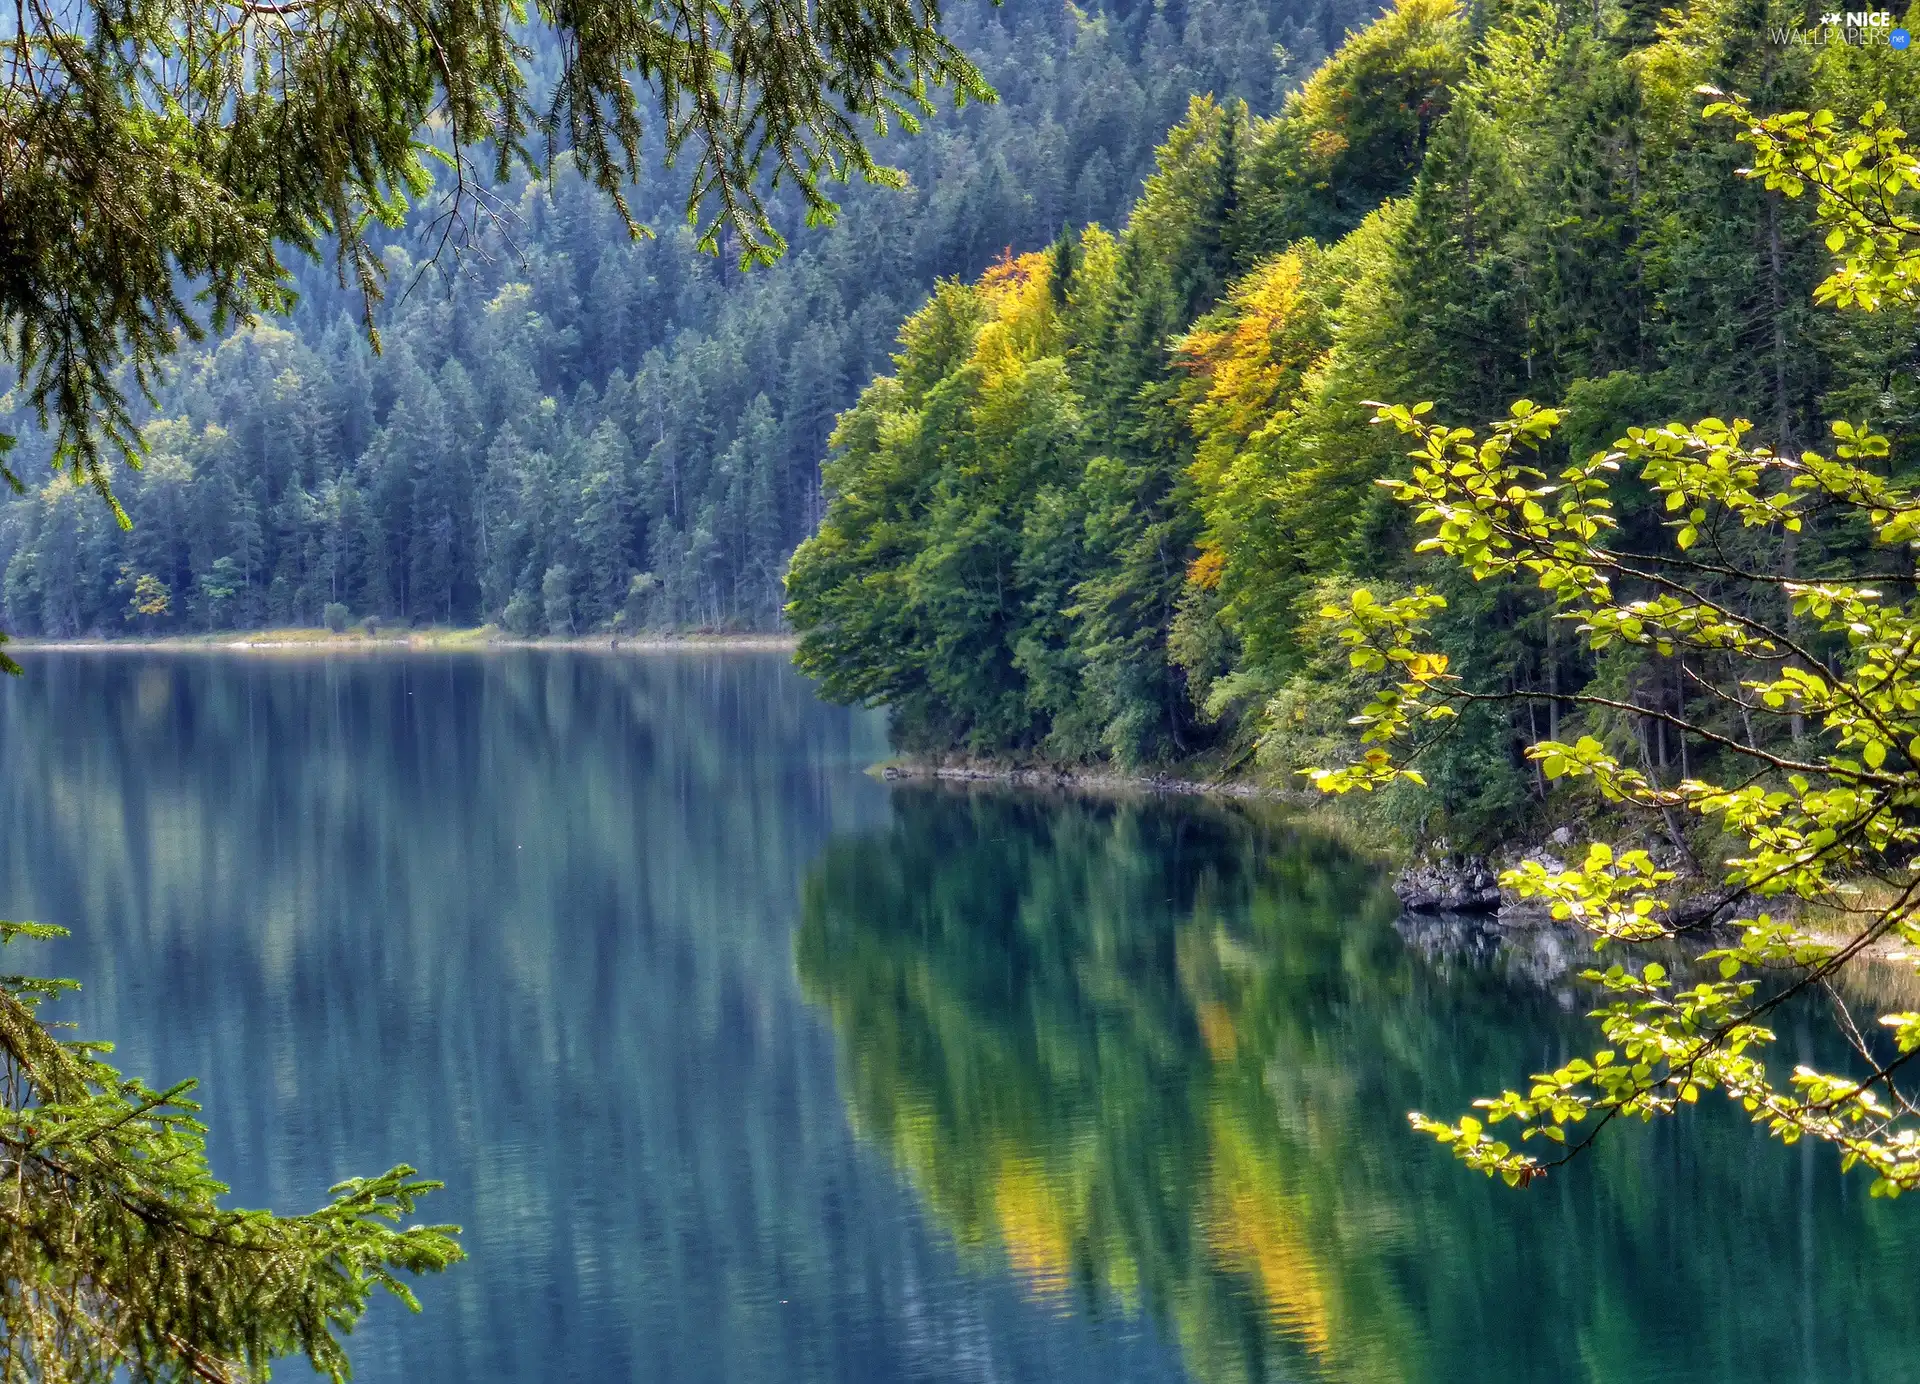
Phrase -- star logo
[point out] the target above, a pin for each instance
(1830, 20)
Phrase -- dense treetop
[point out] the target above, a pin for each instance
(1099, 516)
(568, 401)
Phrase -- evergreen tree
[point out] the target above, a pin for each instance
(119, 1259)
(1552, 216)
(561, 310)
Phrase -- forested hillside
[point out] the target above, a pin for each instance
(566, 428)
(1097, 509)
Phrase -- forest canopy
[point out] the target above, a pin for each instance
(1098, 508)
(1136, 499)
(567, 409)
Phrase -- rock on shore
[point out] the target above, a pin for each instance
(1448, 884)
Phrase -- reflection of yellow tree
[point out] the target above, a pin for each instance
(1065, 1037)
(1255, 1227)
(1039, 1217)
(1280, 1130)
(972, 1135)
(1158, 1055)
(1318, 1286)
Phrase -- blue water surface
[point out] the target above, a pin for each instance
(741, 1065)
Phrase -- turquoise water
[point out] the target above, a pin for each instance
(741, 1065)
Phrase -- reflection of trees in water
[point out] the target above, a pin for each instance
(1068, 1022)
(522, 919)
(1158, 1057)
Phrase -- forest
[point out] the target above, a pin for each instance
(1073, 435)
(1114, 489)
(1500, 413)
(567, 430)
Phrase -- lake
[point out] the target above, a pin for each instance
(740, 1065)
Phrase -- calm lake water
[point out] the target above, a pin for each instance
(742, 1066)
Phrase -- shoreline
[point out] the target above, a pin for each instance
(1086, 780)
(485, 639)
(1492, 909)
(1112, 783)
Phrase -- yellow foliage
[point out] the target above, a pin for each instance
(1009, 272)
(1021, 326)
(1284, 454)
(1326, 145)
(1245, 360)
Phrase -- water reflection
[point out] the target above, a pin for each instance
(526, 921)
(1153, 1059)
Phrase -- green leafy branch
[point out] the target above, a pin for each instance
(1821, 811)
(1811, 821)
(1863, 178)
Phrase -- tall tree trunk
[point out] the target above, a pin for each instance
(1776, 290)
(1782, 419)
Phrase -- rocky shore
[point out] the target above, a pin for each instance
(1442, 883)
(1443, 892)
(1083, 780)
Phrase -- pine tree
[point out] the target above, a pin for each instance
(603, 532)
(209, 145)
(117, 1259)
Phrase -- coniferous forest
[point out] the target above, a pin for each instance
(1103, 504)
(1503, 412)
(565, 427)
(1073, 435)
